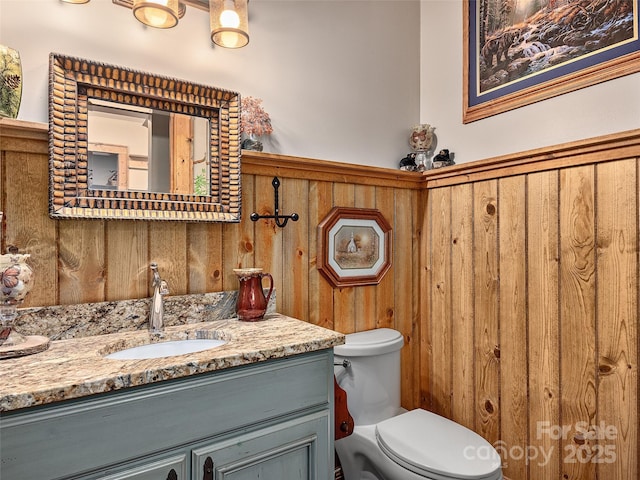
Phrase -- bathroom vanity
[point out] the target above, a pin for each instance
(260, 406)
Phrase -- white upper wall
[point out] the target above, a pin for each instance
(340, 79)
(608, 107)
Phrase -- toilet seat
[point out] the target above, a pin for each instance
(437, 448)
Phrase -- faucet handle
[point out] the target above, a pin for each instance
(164, 288)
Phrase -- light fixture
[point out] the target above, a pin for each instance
(229, 19)
(156, 13)
(229, 23)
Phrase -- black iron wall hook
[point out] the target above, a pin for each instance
(281, 220)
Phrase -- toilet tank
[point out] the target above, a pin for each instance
(372, 381)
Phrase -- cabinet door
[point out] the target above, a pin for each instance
(295, 449)
(169, 468)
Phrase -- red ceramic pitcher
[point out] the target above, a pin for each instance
(252, 304)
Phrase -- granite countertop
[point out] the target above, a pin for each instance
(76, 367)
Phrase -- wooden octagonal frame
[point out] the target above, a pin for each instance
(354, 247)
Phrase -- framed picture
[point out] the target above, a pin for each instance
(520, 52)
(354, 247)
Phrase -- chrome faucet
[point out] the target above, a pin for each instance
(156, 315)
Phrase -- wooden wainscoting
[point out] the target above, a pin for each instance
(514, 281)
(78, 261)
(530, 308)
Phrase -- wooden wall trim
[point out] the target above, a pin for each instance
(10, 127)
(260, 163)
(593, 150)
(22, 136)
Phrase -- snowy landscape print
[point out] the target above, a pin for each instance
(517, 39)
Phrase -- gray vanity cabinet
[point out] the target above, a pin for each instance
(284, 451)
(271, 420)
(173, 467)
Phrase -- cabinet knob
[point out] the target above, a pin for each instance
(172, 475)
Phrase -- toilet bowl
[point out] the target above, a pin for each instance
(390, 443)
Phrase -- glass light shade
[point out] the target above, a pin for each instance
(229, 23)
(156, 13)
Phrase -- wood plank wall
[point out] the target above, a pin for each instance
(514, 281)
(530, 325)
(79, 261)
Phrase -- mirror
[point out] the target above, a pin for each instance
(125, 144)
(141, 149)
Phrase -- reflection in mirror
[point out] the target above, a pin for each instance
(140, 149)
(125, 144)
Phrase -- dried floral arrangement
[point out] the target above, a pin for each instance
(254, 120)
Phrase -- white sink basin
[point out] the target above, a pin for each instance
(165, 349)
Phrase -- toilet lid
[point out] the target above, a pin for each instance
(436, 447)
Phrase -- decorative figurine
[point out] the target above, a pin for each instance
(408, 163)
(443, 159)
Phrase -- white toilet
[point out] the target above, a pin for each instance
(390, 443)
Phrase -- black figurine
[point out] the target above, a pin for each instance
(409, 163)
(442, 159)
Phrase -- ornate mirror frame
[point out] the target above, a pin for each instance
(73, 81)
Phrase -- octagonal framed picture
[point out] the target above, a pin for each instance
(354, 246)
